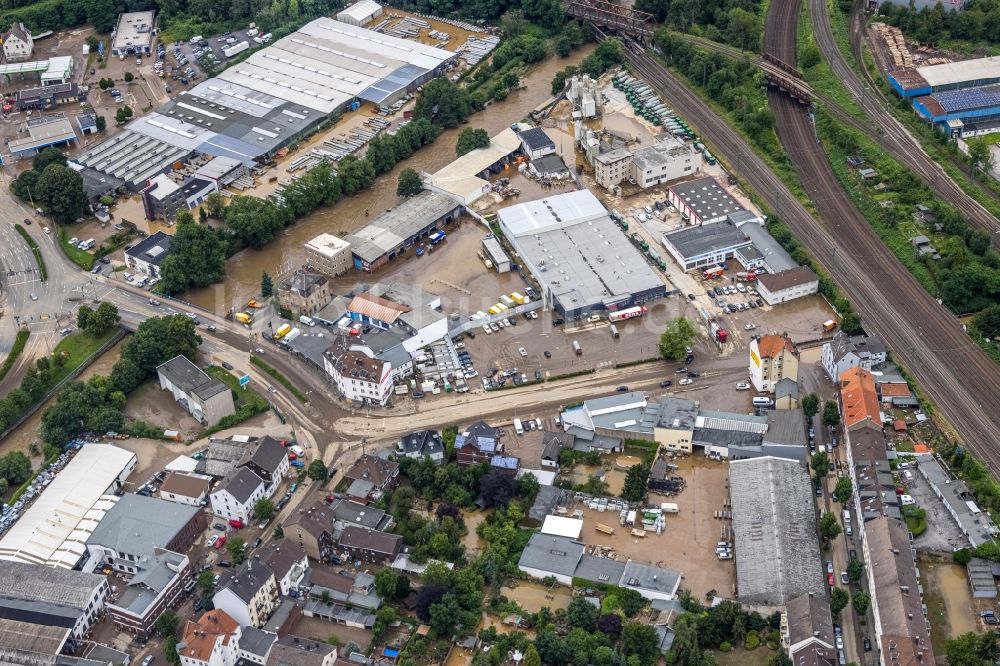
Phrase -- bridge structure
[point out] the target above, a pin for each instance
(614, 18)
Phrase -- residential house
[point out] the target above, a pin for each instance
(288, 562)
(549, 166)
(147, 255)
(17, 43)
(851, 351)
(248, 595)
(268, 460)
(547, 555)
(371, 477)
(612, 167)
(130, 532)
(304, 292)
(772, 358)
(211, 641)
(297, 651)
(807, 631)
(207, 399)
(552, 444)
(506, 464)
(859, 404)
(312, 529)
(346, 512)
(185, 489)
(359, 375)
(236, 494)
(369, 545)
(255, 645)
(421, 443)
(159, 585)
(479, 442)
(342, 597)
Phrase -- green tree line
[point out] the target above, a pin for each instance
(976, 23)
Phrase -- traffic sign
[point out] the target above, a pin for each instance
(244, 380)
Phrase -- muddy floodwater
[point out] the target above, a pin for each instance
(284, 253)
(532, 597)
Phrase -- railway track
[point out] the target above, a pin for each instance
(883, 129)
(897, 140)
(962, 381)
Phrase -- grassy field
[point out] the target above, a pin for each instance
(741, 657)
(78, 347)
(19, 342)
(84, 260)
(244, 396)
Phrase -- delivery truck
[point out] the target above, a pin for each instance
(244, 318)
(282, 331)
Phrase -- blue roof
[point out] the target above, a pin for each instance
(968, 99)
(505, 462)
(484, 444)
(220, 145)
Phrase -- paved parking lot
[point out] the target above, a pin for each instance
(942, 533)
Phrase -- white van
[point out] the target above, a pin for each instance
(762, 401)
(308, 321)
(847, 516)
(518, 428)
(538, 423)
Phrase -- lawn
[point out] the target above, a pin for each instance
(741, 657)
(244, 396)
(84, 260)
(78, 347)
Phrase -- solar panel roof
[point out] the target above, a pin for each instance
(968, 99)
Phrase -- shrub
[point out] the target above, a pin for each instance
(753, 641)
(725, 646)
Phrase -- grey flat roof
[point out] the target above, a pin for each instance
(615, 401)
(257, 641)
(134, 29)
(600, 570)
(396, 227)
(131, 157)
(546, 501)
(536, 138)
(187, 376)
(955, 493)
(786, 426)
(552, 554)
(583, 259)
(495, 250)
(649, 577)
(138, 525)
(719, 437)
(60, 587)
(549, 164)
(357, 514)
(775, 257)
(777, 549)
(695, 241)
(706, 197)
(152, 249)
(660, 153)
(677, 413)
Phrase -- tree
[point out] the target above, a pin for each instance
(512, 23)
(266, 285)
(253, 220)
(129, 77)
(471, 138)
(206, 581)
(838, 600)
(409, 183)
(391, 584)
(861, 601)
(25, 186)
(641, 640)
(831, 413)
(120, 116)
(779, 658)
(829, 528)
(443, 103)
(385, 616)
(810, 405)
(820, 463)
(855, 570)
(197, 256)
(237, 549)
(842, 493)
(980, 156)
(317, 471)
(582, 614)
(50, 155)
(166, 624)
(427, 596)
(610, 624)
(102, 123)
(15, 468)
(60, 192)
(676, 338)
(84, 317)
(531, 657)
(106, 83)
(214, 205)
(263, 509)
(987, 322)
(497, 488)
(973, 649)
(102, 320)
(636, 483)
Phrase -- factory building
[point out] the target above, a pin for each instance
(361, 13)
(702, 201)
(962, 113)
(392, 232)
(580, 257)
(701, 246)
(256, 107)
(919, 81)
(43, 131)
(664, 161)
(133, 34)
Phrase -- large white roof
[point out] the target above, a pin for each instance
(360, 11)
(54, 529)
(554, 212)
(562, 526)
(461, 177)
(962, 71)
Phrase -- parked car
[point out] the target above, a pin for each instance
(547, 354)
(666, 382)
(844, 579)
(686, 382)
(622, 389)
(742, 386)
(681, 371)
(749, 327)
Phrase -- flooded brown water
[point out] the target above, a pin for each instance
(533, 596)
(243, 271)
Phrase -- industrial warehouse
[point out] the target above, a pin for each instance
(270, 100)
(579, 256)
(961, 99)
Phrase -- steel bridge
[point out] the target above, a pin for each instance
(625, 20)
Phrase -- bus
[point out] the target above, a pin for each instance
(627, 313)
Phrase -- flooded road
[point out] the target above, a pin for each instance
(243, 271)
